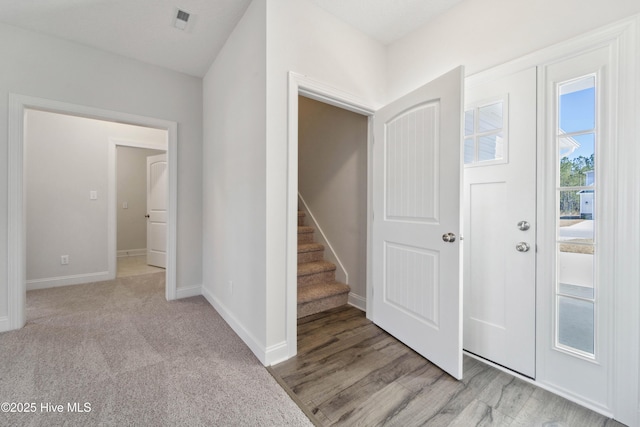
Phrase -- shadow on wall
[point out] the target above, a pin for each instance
(332, 179)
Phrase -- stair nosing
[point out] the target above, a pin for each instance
(320, 267)
(310, 247)
(333, 289)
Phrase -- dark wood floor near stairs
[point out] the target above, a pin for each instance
(350, 372)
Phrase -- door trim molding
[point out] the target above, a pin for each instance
(112, 190)
(16, 239)
(300, 84)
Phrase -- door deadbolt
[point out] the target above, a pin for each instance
(449, 237)
(524, 225)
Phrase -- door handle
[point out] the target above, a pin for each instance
(147, 216)
(449, 237)
(523, 247)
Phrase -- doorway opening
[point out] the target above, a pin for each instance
(332, 183)
(141, 242)
(92, 198)
(302, 86)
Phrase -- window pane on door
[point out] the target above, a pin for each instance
(490, 147)
(469, 151)
(485, 134)
(490, 117)
(469, 123)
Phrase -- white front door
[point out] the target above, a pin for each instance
(416, 225)
(500, 220)
(157, 210)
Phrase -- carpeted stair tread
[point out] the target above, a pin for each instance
(308, 268)
(325, 290)
(317, 287)
(309, 247)
(305, 234)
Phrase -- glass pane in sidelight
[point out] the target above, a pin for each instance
(576, 220)
(490, 147)
(577, 160)
(584, 292)
(576, 324)
(577, 105)
(490, 117)
(575, 269)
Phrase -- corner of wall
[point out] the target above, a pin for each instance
(4, 324)
(267, 355)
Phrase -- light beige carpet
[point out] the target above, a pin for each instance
(137, 360)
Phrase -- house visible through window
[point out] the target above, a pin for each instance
(576, 289)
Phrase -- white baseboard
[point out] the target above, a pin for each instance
(77, 279)
(191, 291)
(357, 301)
(277, 353)
(131, 252)
(4, 324)
(246, 336)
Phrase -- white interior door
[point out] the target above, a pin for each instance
(500, 220)
(157, 210)
(416, 203)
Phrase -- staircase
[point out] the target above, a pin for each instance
(317, 287)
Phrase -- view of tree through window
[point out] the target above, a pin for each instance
(576, 145)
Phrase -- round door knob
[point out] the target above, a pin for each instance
(147, 216)
(523, 247)
(449, 237)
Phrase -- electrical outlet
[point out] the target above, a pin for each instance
(64, 259)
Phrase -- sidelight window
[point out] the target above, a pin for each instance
(576, 197)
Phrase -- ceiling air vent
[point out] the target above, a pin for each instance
(182, 18)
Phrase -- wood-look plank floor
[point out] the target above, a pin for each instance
(350, 372)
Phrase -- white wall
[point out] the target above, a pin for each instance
(234, 246)
(480, 34)
(45, 67)
(66, 158)
(304, 38)
(332, 179)
(132, 190)
(245, 152)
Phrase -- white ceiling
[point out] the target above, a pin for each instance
(143, 29)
